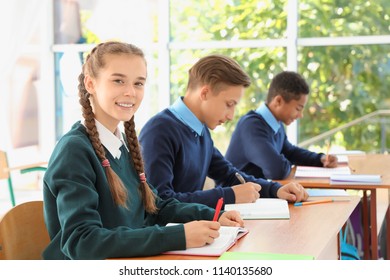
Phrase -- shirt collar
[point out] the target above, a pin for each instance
(112, 141)
(184, 114)
(266, 113)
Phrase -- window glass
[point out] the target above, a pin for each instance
(227, 20)
(347, 82)
(78, 26)
(323, 18)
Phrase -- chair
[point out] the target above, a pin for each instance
(23, 233)
(5, 172)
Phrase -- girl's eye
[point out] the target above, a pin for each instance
(119, 81)
(230, 104)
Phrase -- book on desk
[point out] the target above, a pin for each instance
(327, 192)
(262, 209)
(228, 236)
(353, 179)
(320, 172)
(340, 175)
(335, 194)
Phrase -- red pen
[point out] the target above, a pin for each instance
(218, 209)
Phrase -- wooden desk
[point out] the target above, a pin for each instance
(364, 164)
(311, 230)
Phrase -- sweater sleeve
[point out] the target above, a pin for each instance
(174, 211)
(300, 156)
(224, 174)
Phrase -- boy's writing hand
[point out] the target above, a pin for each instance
(329, 161)
(246, 193)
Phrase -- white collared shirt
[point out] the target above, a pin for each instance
(186, 116)
(112, 141)
(266, 113)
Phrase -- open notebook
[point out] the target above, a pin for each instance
(262, 209)
(228, 236)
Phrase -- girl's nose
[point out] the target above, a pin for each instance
(130, 91)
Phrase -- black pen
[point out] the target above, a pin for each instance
(240, 178)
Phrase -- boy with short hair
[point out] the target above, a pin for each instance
(259, 145)
(179, 152)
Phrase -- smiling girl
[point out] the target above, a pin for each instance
(97, 201)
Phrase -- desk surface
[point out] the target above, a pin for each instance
(363, 164)
(308, 231)
(359, 164)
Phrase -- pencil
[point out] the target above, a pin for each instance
(313, 202)
(240, 178)
(218, 209)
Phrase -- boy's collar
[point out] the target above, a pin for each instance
(186, 116)
(266, 113)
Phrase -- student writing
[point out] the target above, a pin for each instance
(97, 200)
(179, 151)
(259, 145)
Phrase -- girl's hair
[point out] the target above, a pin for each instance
(288, 84)
(217, 71)
(93, 63)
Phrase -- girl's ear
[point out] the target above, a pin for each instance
(89, 83)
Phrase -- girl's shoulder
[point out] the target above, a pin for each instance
(75, 139)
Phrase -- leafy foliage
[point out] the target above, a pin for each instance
(346, 82)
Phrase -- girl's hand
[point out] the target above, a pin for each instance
(231, 218)
(200, 233)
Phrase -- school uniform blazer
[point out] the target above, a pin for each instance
(82, 219)
(256, 149)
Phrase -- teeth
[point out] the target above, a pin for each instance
(127, 105)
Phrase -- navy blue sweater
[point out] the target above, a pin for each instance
(177, 162)
(255, 149)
